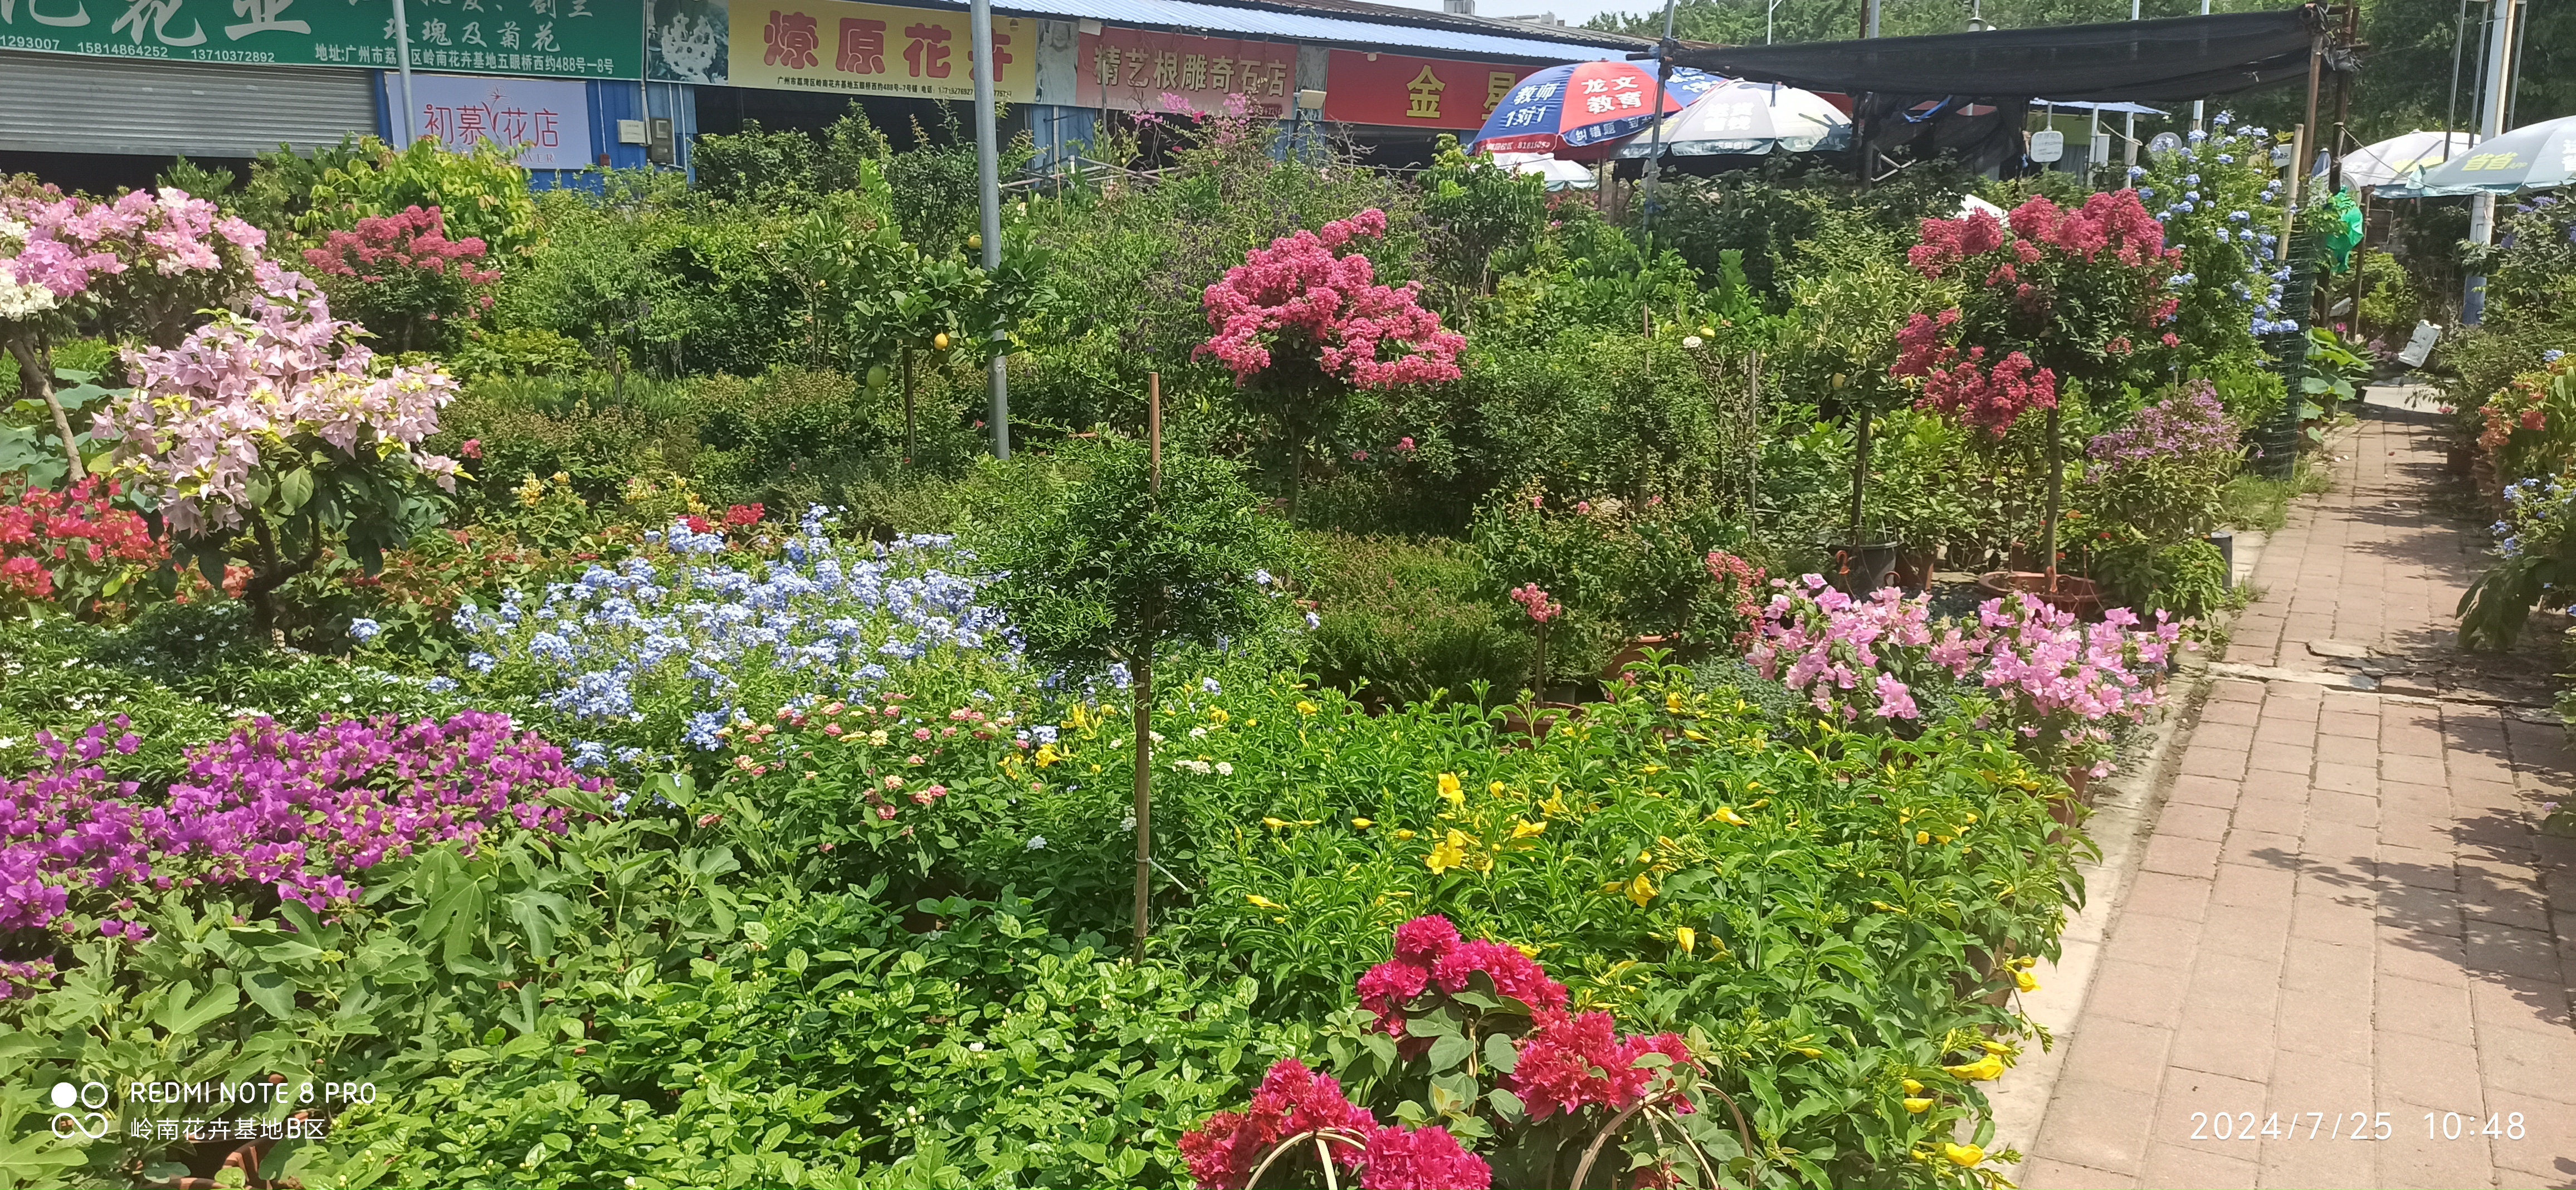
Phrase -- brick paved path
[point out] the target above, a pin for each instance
(2343, 907)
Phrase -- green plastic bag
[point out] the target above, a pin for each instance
(2342, 230)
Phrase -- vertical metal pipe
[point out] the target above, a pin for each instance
(2200, 107)
(988, 173)
(402, 58)
(1655, 139)
(2491, 109)
(2459, 41)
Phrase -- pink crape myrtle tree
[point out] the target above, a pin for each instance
(2027, 303)
(137, 267)
(1304, 323)
(266, 436)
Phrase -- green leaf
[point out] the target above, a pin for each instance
(271, 991)
(1449, 1052)
(1500, 1054)
(1507, 1107)
(183, 1012)
(295, 488)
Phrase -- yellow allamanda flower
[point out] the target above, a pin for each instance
(1727, 815)
(2025, 981)
(1918, 1106)
(1274, 823)
(1305, 708)
(1217, 715)
(1922, 838)
(1996, 1048)
(1673, 703)
(1641, 890)
(1524, 829)
(1963, 1154)
(1686, 938)
(1457, 851)
(1262, 902)
(1361, 824)
(1495, 788)
(1047, 755)
(1988, 1067)
(1450, 791)
(1912, 1087)
(1403, 834)
(1554, 805)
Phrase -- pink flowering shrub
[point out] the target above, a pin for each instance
(1477, 1011)
(1304, 321)
(402, 278)
(268, 437)
(75, 548)
(297, 813)
(2056, 682)
(140, 266)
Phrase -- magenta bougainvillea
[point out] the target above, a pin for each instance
(404, 279)
(1572, 1073)
(1298, 298)
(2044, 294)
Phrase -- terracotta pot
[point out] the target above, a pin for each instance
(1633, 653)
(1534, 722)
(2075, 595)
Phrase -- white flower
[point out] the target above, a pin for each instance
(1692, 342)
(1224, 769)
(1037, 843)
(1198, 733)
(975, 1047)
(22, 301)
(1128, 824)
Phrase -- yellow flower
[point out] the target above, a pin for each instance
(2025, 981)
(1686, 938)
(1047, 755)
(1495, 788)
(1524, 829)
(1982, 1069)
(1456, 851)
(1554, 805)
(1996, 1047)
(1361, 824)
(1274, 823)
(1673, 703)
(1262, 902)
(1912, 1087)
(1727, 815)
(1809, 1051)
(1403, 834)
(1918, 1106)
(1641, 890)
(560, 477)
(1304, 707)
(1217, 715)
(1450, 792)
(1922, 837)
(1963, 1154)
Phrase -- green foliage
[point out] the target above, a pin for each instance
(1126, 563)
(2390, 306)
(2187, 579)
(1407, 621)
(1597, 413)
(1481, 210)
(483, 193)
(754, 165)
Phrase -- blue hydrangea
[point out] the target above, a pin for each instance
(363, 630)
(2551, 356)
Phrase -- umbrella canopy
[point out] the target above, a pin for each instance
(2392, 160)
(1585, 103)
(2532, 157)
(1753, 118)
(1559, 175)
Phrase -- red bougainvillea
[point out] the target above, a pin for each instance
(1297, 297)
(1294, 1103)
(74, 547)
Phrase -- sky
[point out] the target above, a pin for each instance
(1572, 12)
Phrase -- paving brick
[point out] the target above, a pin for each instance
(2271, 756)
(2049, 1173)
(2420, 867)
(2413, 770)
(2438, 1011)
(2181, 856)
(2184, 1167)
(2100, 1125)
(2229, 736)
(2251, 884)
(2213, 762)
(2187, 1092)
(2349, 778)
(2512, 1003)
(2115, 1052)
(2205, 791)
(2228, 710)
(2409, 1160)
(2506, 950)
(2147, 993)
(2162, 894)
(2431, 956)
(2235, 690)
(2358, 809)
(2192, 821)
(2273, 811)
(2422, 1070)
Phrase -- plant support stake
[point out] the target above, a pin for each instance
(988, 175)
(1144, 693)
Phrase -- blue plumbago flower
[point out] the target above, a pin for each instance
(1209, 686)
(2193, 196)
(2551, 356)
(1042, 734)
(2239, 216)
(1313, 621)
(2191, 179)
(2145, 193)
(2258, 132)
(1120, 676)
(2198, 136)
(2137, 171)
(2223, 119)
(1262, 577)
(363, 630)
(480, 663)
(2179, 280)
(1036, 843)
(2227, 159)
(439, 685)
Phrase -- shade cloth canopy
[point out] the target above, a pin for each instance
(1750, 119)
(1565, 108)
(2391, 161)
(2177, 58)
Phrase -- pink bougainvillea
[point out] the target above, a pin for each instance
(1573, 1062)
(1296, 1104)
(1297, 296)
(415, 240)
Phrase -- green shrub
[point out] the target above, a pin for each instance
(2186, 578)
(1407, 621)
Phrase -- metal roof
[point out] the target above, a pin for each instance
(1194, 17)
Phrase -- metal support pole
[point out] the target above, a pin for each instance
(2200, 107)
(1655, 139)
(2473, 301)
(2129, 129)
(2459, 41)
(988, 174)
(402, 58)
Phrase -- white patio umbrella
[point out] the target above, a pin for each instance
(1560, 175)
(2390, 161)
(1749, 118)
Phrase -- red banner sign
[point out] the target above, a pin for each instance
(1365, 88)
(1133, 69)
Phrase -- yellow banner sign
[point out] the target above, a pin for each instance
(864, 49)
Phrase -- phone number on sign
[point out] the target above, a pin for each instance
(2349, 1126)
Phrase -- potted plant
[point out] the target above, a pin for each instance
(1843, 351)
(2046, 295)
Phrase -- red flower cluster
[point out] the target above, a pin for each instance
(1967, 388)
(1948, 241)
(72, 539)
(1573, 1062)
(743, 516)
(1297, 295)
(415, 240)
(1294, 1102)
(2110, 219)
(1429, 953)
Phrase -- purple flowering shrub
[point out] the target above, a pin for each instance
(2161, 477)
(2059, 684)
(299, 813)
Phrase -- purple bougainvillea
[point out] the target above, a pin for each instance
(300, 812)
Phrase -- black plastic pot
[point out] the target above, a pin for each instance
(2225, 540)
(1857, 570)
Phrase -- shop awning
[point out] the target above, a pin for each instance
(2178, 58)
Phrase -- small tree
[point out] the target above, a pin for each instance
(140, 267)
(1301, 327)
(1841, 345)
(1141, 554)
(2041, 295)
(401, 276)
(264, 436)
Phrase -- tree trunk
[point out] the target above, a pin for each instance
(907, 407)
(35, 367)
(1860, 474)
(1144, 695)
(2056, 481)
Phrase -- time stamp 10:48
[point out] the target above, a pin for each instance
(2351, 1126)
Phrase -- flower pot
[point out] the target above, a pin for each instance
(1534, 722)
(1914, 568)
(2225, 540)
(1857, 570)
(1633, 653)
(2076, 596)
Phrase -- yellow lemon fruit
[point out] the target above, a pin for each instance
(939, 341)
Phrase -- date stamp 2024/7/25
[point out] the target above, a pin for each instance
(2361, 1126)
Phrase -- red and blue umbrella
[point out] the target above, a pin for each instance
(1586, 103)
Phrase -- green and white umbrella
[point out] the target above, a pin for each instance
(2533, 157)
